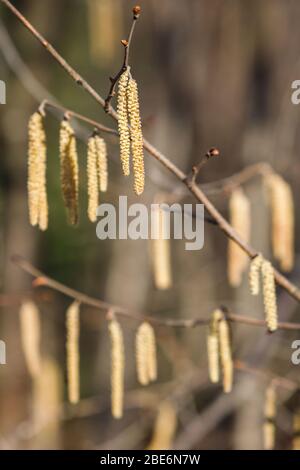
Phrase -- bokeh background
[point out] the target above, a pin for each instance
(210, 73)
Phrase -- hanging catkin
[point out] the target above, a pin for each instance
(296, 431)
(213, 347)
(117, 368)
(136, 137)
(92, 179)
(102, 163)
(122, 109)
(30, 336)
(239, 208)
(72, 350)
(164, 427)
(146, 363)
(254, 274)
(226, 354)
(282, 209)
(69, 170)
(36, 186)
(269, 293)
(269, 419)
(161, 251)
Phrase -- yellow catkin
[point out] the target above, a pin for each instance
(69, 170)
(146, 362)
(213, 347)
(161, 253)
(92, 179)
(117, 368)
(269, 418)
(72, 350)
(296, 431)
(122, 109)
(164, 427)
(30, 336)
(282, 208)
(226, 354)
(37, 193)
(136, 137)
(102, 163)
(240, 216)
(269, 294)
(254, 274)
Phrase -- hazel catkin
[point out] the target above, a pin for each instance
(122, 110)
(117, 368)
(146, 363)
(72, 350)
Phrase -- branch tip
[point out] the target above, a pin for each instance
(136, 11)
(213, 152)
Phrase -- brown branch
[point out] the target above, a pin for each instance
(268, 376)
(228, 230)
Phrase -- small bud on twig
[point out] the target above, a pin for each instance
(136, 11)
(213, 152)
(124, 42)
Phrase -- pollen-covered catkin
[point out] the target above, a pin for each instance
(36, 186)
(213, 347)
(102, 163)
(122, 110)
(92, 179)
(240, 219)
(226, 354)
(72, 350)
(146, 363)
(117, 368)
(160, 251)
(282, 210)
(136, 137)
(269, 419)
(269, 294)
(30, 336)
(164, 427)
(296, 431)
(69, 170)
(254, 274)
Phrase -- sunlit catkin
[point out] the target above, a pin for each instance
(146, 363)
(226, 354)
(213, 347)
(122, 109)
(136, 137)
(36, 186)
(254, 274)
(72, 350)
(30, 336)
(296, 431)
(282, 209)
(92, 179)
(164, 427)
(269, 418)
(160, 251)
(117, 368)
(240, 216)
(269, 294)
(69, 170)
(102, 163)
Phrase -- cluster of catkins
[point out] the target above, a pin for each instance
(130, 130)
(97, 174)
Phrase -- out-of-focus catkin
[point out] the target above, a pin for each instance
(213, 347)
(164, 427)
(30, 336)
(122, 110)
(92, 179)
(226, 354)
(146, 362)
(254, 274)
(117, 368)
(296, 431)
(269, 293)
(102, 163)
(69, 170)
(36, 185)
(269, 418)
(282, 209)
(160, 251)
(240, 219)
(136, 137)
(72, 350)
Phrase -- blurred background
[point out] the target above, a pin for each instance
(210, 73)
